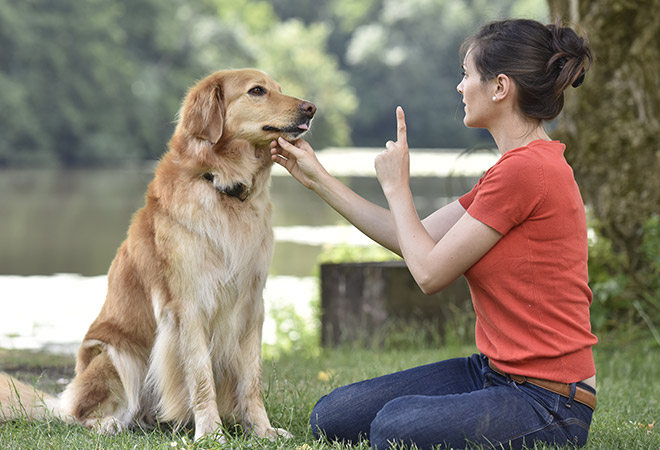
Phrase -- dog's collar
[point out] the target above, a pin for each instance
(238, 190)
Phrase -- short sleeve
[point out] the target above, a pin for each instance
(508, 193)
(467, 199)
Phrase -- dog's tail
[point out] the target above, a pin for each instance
(21, 401)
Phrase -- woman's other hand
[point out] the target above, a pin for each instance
(299, 159)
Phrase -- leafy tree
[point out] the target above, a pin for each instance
(75, 79)
(89, 81)
(341, 17)
(295, 54)
(409, 57)
(405, 52)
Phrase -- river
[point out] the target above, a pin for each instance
(60, 229)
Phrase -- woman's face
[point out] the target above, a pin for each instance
(477, 96)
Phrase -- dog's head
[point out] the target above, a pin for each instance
(244, 105)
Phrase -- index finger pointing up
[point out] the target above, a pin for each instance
(401, 134)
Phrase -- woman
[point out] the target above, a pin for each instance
(519, 237)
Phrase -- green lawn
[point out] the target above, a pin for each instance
(628, 397)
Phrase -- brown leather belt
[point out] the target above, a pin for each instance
(581, 395)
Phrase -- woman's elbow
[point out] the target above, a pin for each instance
(430, 290)
(431, 285)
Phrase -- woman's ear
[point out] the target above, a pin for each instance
(203, 112)
(503, 87)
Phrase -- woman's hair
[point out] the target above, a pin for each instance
(542, 61)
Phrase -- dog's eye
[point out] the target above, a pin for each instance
(257, 90)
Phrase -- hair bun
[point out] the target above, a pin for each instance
(572, 57)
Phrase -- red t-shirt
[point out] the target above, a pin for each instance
(530, 291)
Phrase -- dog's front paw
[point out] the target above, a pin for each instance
(272, 433)
(105, 425)
(209, 425)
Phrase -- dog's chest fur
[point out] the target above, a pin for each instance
(213, 246)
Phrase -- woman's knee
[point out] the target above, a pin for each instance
(338, 416)
(410, 420)
(329, 415)
(394, 423)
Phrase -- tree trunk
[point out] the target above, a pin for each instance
(375, 302)
(611, 125)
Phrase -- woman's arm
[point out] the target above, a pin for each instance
(437, 258)
(374, 221)
(440, 222)
(435, 265)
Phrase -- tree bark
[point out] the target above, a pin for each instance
(366, 302)
(611, 125)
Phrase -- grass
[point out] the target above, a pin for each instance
(628, 397)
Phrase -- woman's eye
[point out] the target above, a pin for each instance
(257, 90)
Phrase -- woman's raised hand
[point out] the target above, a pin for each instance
(393, 165)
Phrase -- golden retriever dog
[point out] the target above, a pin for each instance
(178, 338)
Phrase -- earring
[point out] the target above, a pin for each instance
(494, 98)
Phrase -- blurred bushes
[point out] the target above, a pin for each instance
(619, 296)
(88, 82)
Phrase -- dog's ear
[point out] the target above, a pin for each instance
(203, 112)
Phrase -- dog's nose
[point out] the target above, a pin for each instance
(308, 108)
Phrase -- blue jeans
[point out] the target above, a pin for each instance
(455, 403)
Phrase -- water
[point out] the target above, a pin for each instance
(53, 312)
(73, 221)
(60, 229)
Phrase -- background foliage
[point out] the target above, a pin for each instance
(87, 82)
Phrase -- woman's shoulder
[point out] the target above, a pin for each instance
(518, 159)
(519, 175)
